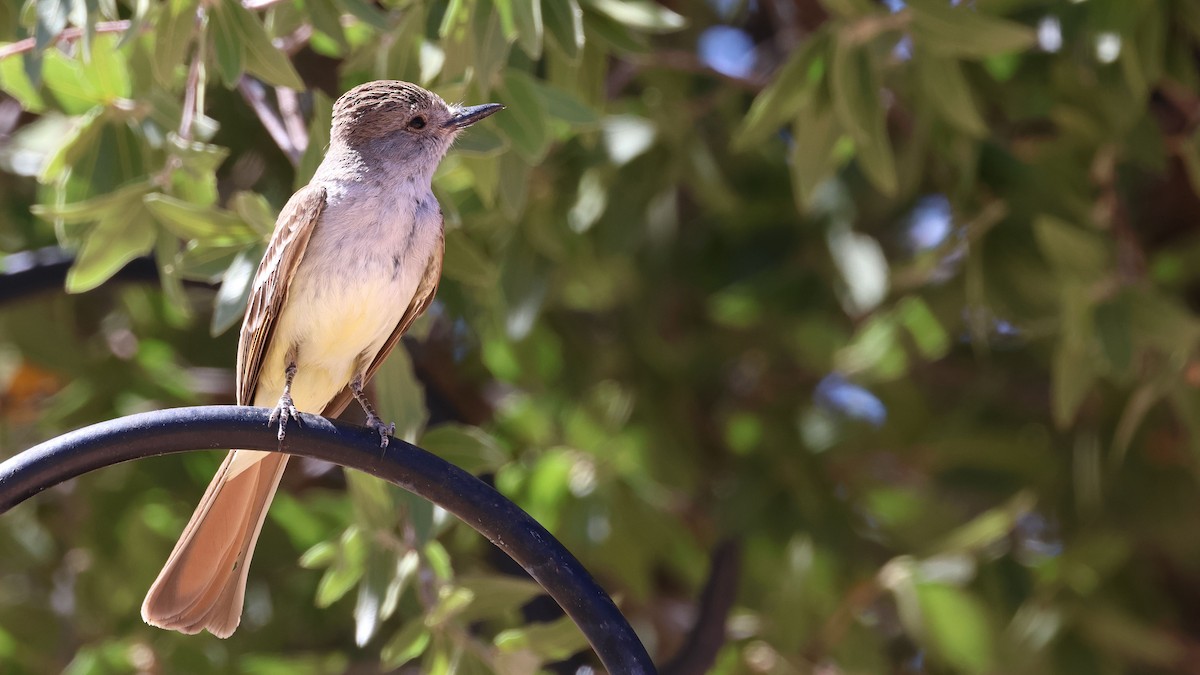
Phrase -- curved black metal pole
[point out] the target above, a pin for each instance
(478, 505)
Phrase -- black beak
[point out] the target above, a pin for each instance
(465, 117)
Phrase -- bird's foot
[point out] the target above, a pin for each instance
(385, 430)
(283, 411)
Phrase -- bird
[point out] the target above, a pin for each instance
(355, 258)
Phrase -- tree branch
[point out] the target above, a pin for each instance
(28, 44)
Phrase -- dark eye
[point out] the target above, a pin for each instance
(416, 123)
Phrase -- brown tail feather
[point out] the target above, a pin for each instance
(203, 584)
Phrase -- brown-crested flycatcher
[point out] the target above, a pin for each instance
(355, 258)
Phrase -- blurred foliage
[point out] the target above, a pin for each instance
(899, 297)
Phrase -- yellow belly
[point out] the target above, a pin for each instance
(337, 329)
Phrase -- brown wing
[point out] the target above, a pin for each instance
(293, 229)
(426, 289)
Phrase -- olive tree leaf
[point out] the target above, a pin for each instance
(856, 83)
(176, 26)
(262, 57)
(964, 32)
(946, 88)
(564, 20)
(117, 238)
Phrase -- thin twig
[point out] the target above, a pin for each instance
(252, 91)
(293, 121)
(192, 95)
(69, 34)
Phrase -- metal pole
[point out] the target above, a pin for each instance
(474, 502)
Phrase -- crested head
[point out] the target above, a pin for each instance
(401, 120)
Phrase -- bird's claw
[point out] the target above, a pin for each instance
(283, 411)
(385, 430)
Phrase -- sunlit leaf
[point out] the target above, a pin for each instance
(176, 26)
(641, 15)
(564, 22)
(115, 240)
(262, 58)
(230, 304)
(957, 627)
(527, 16)
(408, 643)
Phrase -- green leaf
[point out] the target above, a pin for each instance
(957, 627)
(456, 14)
(640, 15)
(1114, 332)
(947, 90)
(116, 239)
(527, 16)
(469, 448)
(514, 184)
(856, 83)
(565, 106)
(381, 562)
(1073, 373)
(1073, 252)
(400, 396)
(851, 9)
(374, 508)
(319, 556)
(230, 50)
(962, 31)
(615, 36)
(176, 26)
(230, 303)
(815, 132)
(65, 78)
(438, 560)
(16, 83)
(406, 569)
(524, 120)
(481, 141)
(366, 12)
(327, 19)
(262, 57)
(989, 528)
(346, 570)
(190, 221)
(491, 46)
(793, 87)
(450, 603)
(927, 332)
(466, 263)
(557, 640)
(495, 595)
(564, 21)
(195, 179)
(106, 71)
(102, 206)
(407, 644)
(254, 210)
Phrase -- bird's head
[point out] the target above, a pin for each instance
(402, 118)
